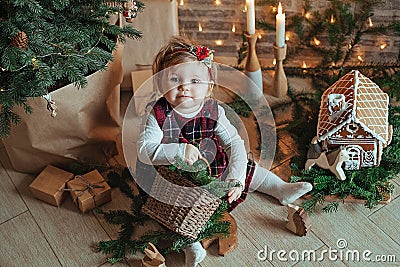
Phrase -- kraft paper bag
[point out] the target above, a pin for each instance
(87, 123)
(158, 22)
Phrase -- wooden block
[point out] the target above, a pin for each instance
(50, 184)
(226, 244)
(230, 243)
(298, 220)
(89, 190)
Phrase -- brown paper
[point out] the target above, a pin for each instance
(87, 123)
(88, 198)
(158, 22)
(49, 185)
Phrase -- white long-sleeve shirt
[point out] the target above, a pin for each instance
(152, 151)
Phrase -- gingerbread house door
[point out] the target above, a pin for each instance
(355, 153)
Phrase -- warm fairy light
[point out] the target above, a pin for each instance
(304, 65)
(233, 27)
(181, 3)
(200, 28)
(316, 41)
(333, 64)
(349, 46)
(219, 42)
(307, 15)
(360, 58)
(259, 35)
(287, 37)
(274, 9)
(245, 9)
(370, 22)
(274, 62)
(383, 46)
(217, 2)
(332, 19)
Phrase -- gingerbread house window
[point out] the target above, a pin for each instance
(336, 103)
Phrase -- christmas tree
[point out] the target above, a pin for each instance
(47, 44)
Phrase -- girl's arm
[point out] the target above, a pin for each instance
(150, 148)
(233, 145)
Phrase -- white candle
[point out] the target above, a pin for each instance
(251, 17)
(280, 27)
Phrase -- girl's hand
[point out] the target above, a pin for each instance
(234, 193)
(192, 154)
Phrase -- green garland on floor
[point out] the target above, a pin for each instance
(370, 184)
(129, 220)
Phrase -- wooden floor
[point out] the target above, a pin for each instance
(33, 233)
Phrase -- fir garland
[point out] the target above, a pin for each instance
(125, 245)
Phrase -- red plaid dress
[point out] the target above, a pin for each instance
(199, 131)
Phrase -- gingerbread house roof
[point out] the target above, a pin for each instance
(364, 103)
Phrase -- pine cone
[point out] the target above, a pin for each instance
(20, 40)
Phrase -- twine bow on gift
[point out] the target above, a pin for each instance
(88, 187)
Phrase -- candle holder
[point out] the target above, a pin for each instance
(279, 87)
(253, 69)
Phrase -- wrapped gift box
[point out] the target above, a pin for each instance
(49, 185)
(89, 190)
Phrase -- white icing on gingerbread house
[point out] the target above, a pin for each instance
(354, 114)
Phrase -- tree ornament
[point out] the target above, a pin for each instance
(20, 40)
(130, 10)
(51, 105)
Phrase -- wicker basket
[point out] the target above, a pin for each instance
(183, 209)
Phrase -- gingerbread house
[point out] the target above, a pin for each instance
(354, 114)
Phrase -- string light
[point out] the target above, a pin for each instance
(316, 41)
(217, 2)
(332, 19)
(287, 37)
(181, 3)
(370, 22)
(200, 28)
(244, 9)
(349, 46)
(274, 9)
(259, 36)
(307, 15)
(360, 58)
(233, 27)
(219, 42)
(383, 46)
(304, 66)
(274, 62)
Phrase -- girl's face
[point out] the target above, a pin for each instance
(187, 84)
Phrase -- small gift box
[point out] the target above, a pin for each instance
(49, 185)
(89, 190)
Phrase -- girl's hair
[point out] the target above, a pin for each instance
(176, 51)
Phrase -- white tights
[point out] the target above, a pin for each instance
(268, 183)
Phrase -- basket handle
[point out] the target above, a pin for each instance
(208, 164)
